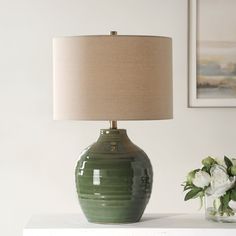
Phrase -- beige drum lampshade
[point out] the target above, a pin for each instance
(113, 77)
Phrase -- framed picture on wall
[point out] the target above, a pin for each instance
(212, 53)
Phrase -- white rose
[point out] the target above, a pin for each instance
(220, 161)
(201, 179)
(220, 181)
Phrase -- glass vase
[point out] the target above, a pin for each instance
(216, 210)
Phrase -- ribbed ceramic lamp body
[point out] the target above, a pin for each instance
(113, 179)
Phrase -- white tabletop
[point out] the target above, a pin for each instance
(150, 225)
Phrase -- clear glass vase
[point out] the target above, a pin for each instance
(216, 210)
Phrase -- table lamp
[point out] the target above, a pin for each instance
(113, 77)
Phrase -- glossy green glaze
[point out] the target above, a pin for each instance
(113, 179)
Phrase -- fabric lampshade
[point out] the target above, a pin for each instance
(112, 77)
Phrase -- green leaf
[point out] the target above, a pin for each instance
(191, 176)
(224, 208)
(187, 187)
(208, 162)
(232, 170)
(192, 193)
(206, 169)
(225, 201)
(233, 194)
(228, 162)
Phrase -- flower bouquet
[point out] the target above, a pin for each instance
(215, 183)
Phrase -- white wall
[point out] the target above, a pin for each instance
(38, 155)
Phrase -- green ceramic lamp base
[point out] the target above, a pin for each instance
(113, 179)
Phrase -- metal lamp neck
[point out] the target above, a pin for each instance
(113, 124)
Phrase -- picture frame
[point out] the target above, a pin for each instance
(211, 80)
